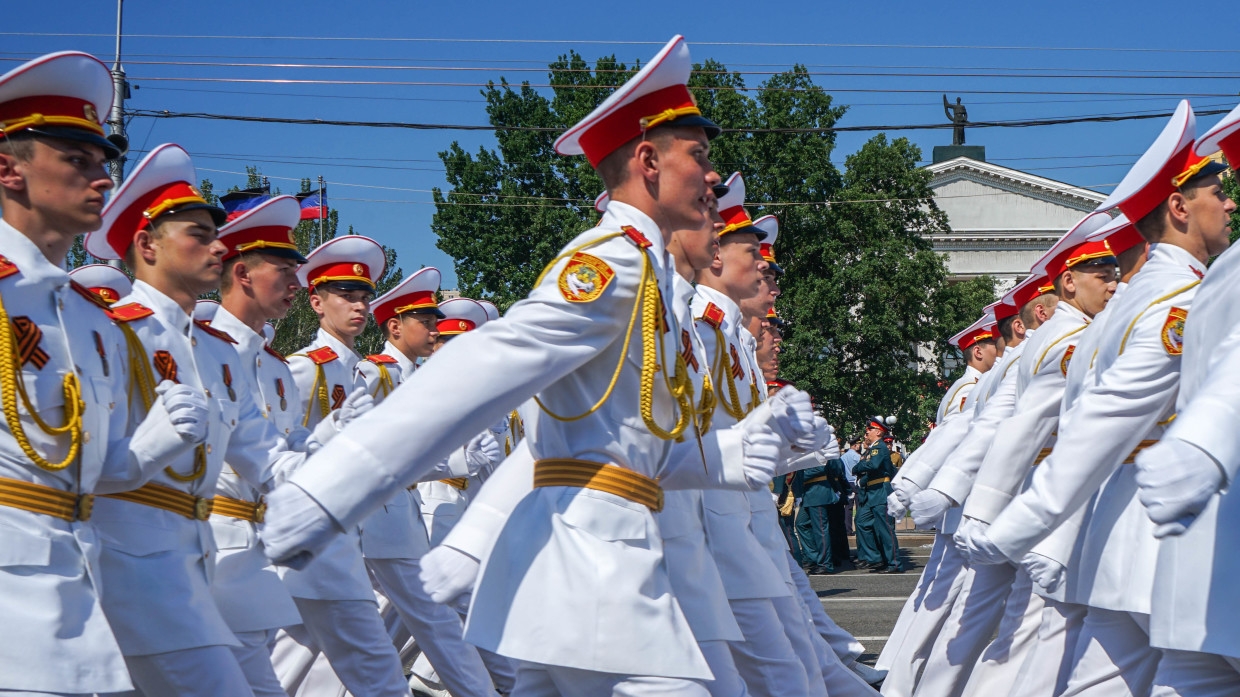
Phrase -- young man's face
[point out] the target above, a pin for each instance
(1094, 284)
(742, 267)
(415, 334)
(65, 181)
(685, 179)
(342, 311)
(701, 244)
(274, 283)
(767, 353)
(1210, 212)
(188, 252)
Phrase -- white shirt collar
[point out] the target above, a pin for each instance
(165, 307)
(406, 366)
(731, 311)
(28, 258)
(249, 343)
(347, 355)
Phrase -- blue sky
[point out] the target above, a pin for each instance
(380, 179)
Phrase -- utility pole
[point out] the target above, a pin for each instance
(116, 117)
(322, 210)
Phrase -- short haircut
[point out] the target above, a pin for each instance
(1046, 301)
(1005, 327)
(1154, 224)
(20, 145)
(155, 229)
(614, 169)
(242, 258)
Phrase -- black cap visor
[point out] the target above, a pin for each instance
(110, 151)
(712, 129)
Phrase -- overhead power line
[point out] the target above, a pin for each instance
(1028, 123)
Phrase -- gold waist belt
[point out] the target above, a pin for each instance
(876, 482)
(38, 498)
(618, 481)
(179, 502)
(815, 480)
(1132, 456)
(241, 510)
(458, 483)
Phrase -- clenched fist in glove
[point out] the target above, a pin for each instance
(978, 549)
(483, 451)
(447, 573)
(357, 403)
(187, 410)
(1176, 481)
(793, 419)
(297, 527)
(895, 507)
(1044, 571)
(928, 506)
(762, 454)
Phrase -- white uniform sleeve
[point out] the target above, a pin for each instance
(955, 479)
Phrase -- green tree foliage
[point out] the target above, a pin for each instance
(870, 302)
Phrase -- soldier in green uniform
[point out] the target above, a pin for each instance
(812, 519)
(874, 473)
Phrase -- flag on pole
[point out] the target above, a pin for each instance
(313, 204)
(238, 202)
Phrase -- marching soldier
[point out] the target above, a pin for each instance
(812, 520)
(340, 618)
(68, 428)
(1175, 198)
(586, 536)
(173, 636)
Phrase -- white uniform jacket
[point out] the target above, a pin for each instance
(738, 553)
(326, 373)
(577, 578)
(1137, 372)
(56, 638)
(1040, 382)
(247, 589)
(997, 400)
(142, 542)
(954, 416)
(1195, 604)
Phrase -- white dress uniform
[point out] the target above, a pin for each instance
(978, 608)
(766, 657)
(393, 540)
(247, 589)
(58, 640)
(340, 617)
(159, 628)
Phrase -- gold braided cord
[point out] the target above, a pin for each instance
(1136, 319)
(654, 355)
(385, 381)
(319, 390)
(142, 381)
(706, 408)
(13, 388)
(755, 396)
(723, 364)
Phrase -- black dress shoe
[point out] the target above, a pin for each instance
(820, 570)
(893, 569)
(863, 565)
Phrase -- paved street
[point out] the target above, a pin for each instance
(866, 604)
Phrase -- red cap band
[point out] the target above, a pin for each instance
(343, 271)
(258, 238)
(455, 326)
(417, 300)
(147, 208)
(631, 120)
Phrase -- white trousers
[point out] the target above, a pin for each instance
(765, 659)
(974, 618)
(539, 680)
(1004, 657)
(844, 645)
(727, 682)
(351, 636)
(502, 670)
(797, 627)
(1193, 674)
(1049, 664)
(1113, 656)
(437, 628)
(922, 618)
(205, 670)
(254, 657)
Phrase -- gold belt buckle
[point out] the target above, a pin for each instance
(260, 510)
(202, 508)
(85, 505)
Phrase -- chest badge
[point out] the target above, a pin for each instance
(584, 278)
(28, 335)
(280, 391)
(338, 396)
(232, 394)
(1173, 331)
(166, 366)
(1067, 356)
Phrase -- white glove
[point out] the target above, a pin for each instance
(895, 507)
(357, 403)
(761, 448)
(499, 426)
(187, 410)
(483, 451)
(297, 527)
(904, 490)
(928, 506)
(1176, 481)
(1044, 571)
(967, 527)
(978, 549)
(792, 418)
(447, 573)
(818, 439)
(831, 450)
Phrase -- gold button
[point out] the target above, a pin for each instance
(85, 436)
(234, 421)
(61, 303)
(208, 393)
(193, 341)
(208, 448)
(260, 363)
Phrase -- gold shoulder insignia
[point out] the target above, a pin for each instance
(380, 358)
(7, 268)
(129, 312)
(1173, 331)
(321, 355)
(584, 278)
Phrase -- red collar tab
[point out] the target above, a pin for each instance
(713, 315)
(635, 237)
(7, 268)
(129, 312)
(321, 355)
(277, 354)
(206, 327)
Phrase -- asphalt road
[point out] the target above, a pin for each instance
(866, 604)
